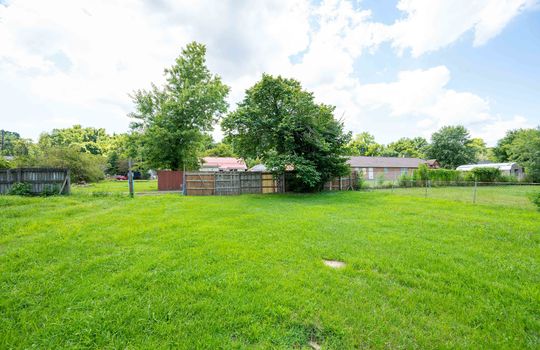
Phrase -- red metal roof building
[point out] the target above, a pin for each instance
(223, 164)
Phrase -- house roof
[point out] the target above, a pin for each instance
(258, 167)
(224, 163)
(384, 162)
(500, 166)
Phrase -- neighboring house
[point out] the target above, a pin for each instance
(222, 164)
(512, 169)
(389, 168)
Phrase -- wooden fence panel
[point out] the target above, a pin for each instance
(169, 180)
(40, 179)
(227, 183)
(200, 184)
(251, 182)
(231, 183)
(269, 183)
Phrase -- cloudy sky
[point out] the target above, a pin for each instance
(393, 68)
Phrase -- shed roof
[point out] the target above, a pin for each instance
(384, 162)
(500, 166)
(258, 167)
(224, 163)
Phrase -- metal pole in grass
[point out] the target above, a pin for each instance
(474, 192)
(130, 179)
(184, 187)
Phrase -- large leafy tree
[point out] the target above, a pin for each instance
(279, 123)
(8, 141)
(452, 147)
(407, 147)
(482, 153)
(364, 144)
(174, 120)
(523, 147)
(88, 140)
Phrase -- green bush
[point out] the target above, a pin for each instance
(21, 189)
(535, 198)
(361, 183)
(507, 178)
(405, 181)
(4, 163)
(422, 173)
(484, 174)
(445, 175)
(50, 191)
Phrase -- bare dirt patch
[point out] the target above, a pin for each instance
(336, 264)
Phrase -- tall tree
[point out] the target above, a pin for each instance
(480, 149)
(174, 119)
(364, 144)
(502, 150)
(451, 146)
(8, 140)
(89, 140)
(280, 123)
(523, 147)
(408, 148)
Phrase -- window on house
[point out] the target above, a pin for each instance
(386, 170)
(404, 171)
(370, 174)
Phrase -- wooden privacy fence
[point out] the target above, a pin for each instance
(169, 180)
(40, 179)
(230, 183)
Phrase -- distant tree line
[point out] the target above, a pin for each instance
(277, 123)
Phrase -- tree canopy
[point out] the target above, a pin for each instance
(88, 139)
(364, 144)
(452, 147)
(407, 147)
(523, 147)
(279, 123)
(174, 120)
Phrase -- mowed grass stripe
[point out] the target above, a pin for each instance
(247, 271)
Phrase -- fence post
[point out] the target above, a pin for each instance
(474, 191)
(130, 179)
(340, 183)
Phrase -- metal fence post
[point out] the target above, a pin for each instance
(474, 191)
(130, 179)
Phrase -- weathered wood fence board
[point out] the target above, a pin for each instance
(232, 183)
(40, 179)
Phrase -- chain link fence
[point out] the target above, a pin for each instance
(513, 194)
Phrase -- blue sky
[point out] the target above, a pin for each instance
(393, 68)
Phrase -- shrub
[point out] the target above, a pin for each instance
(535, 198)
(380, 180)
(405, 180)
(4, 163)
(50, 191)
(445, 175)
(422, 173)
(507, 178)
(361, 183)
(21, 189)
(485, 174)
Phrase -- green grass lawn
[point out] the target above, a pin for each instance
(504, 195)
(246, 272)
(114, 186)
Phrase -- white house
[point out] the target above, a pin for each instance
(512, 169)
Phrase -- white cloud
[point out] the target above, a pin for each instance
(430, 25)
(66, 60)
